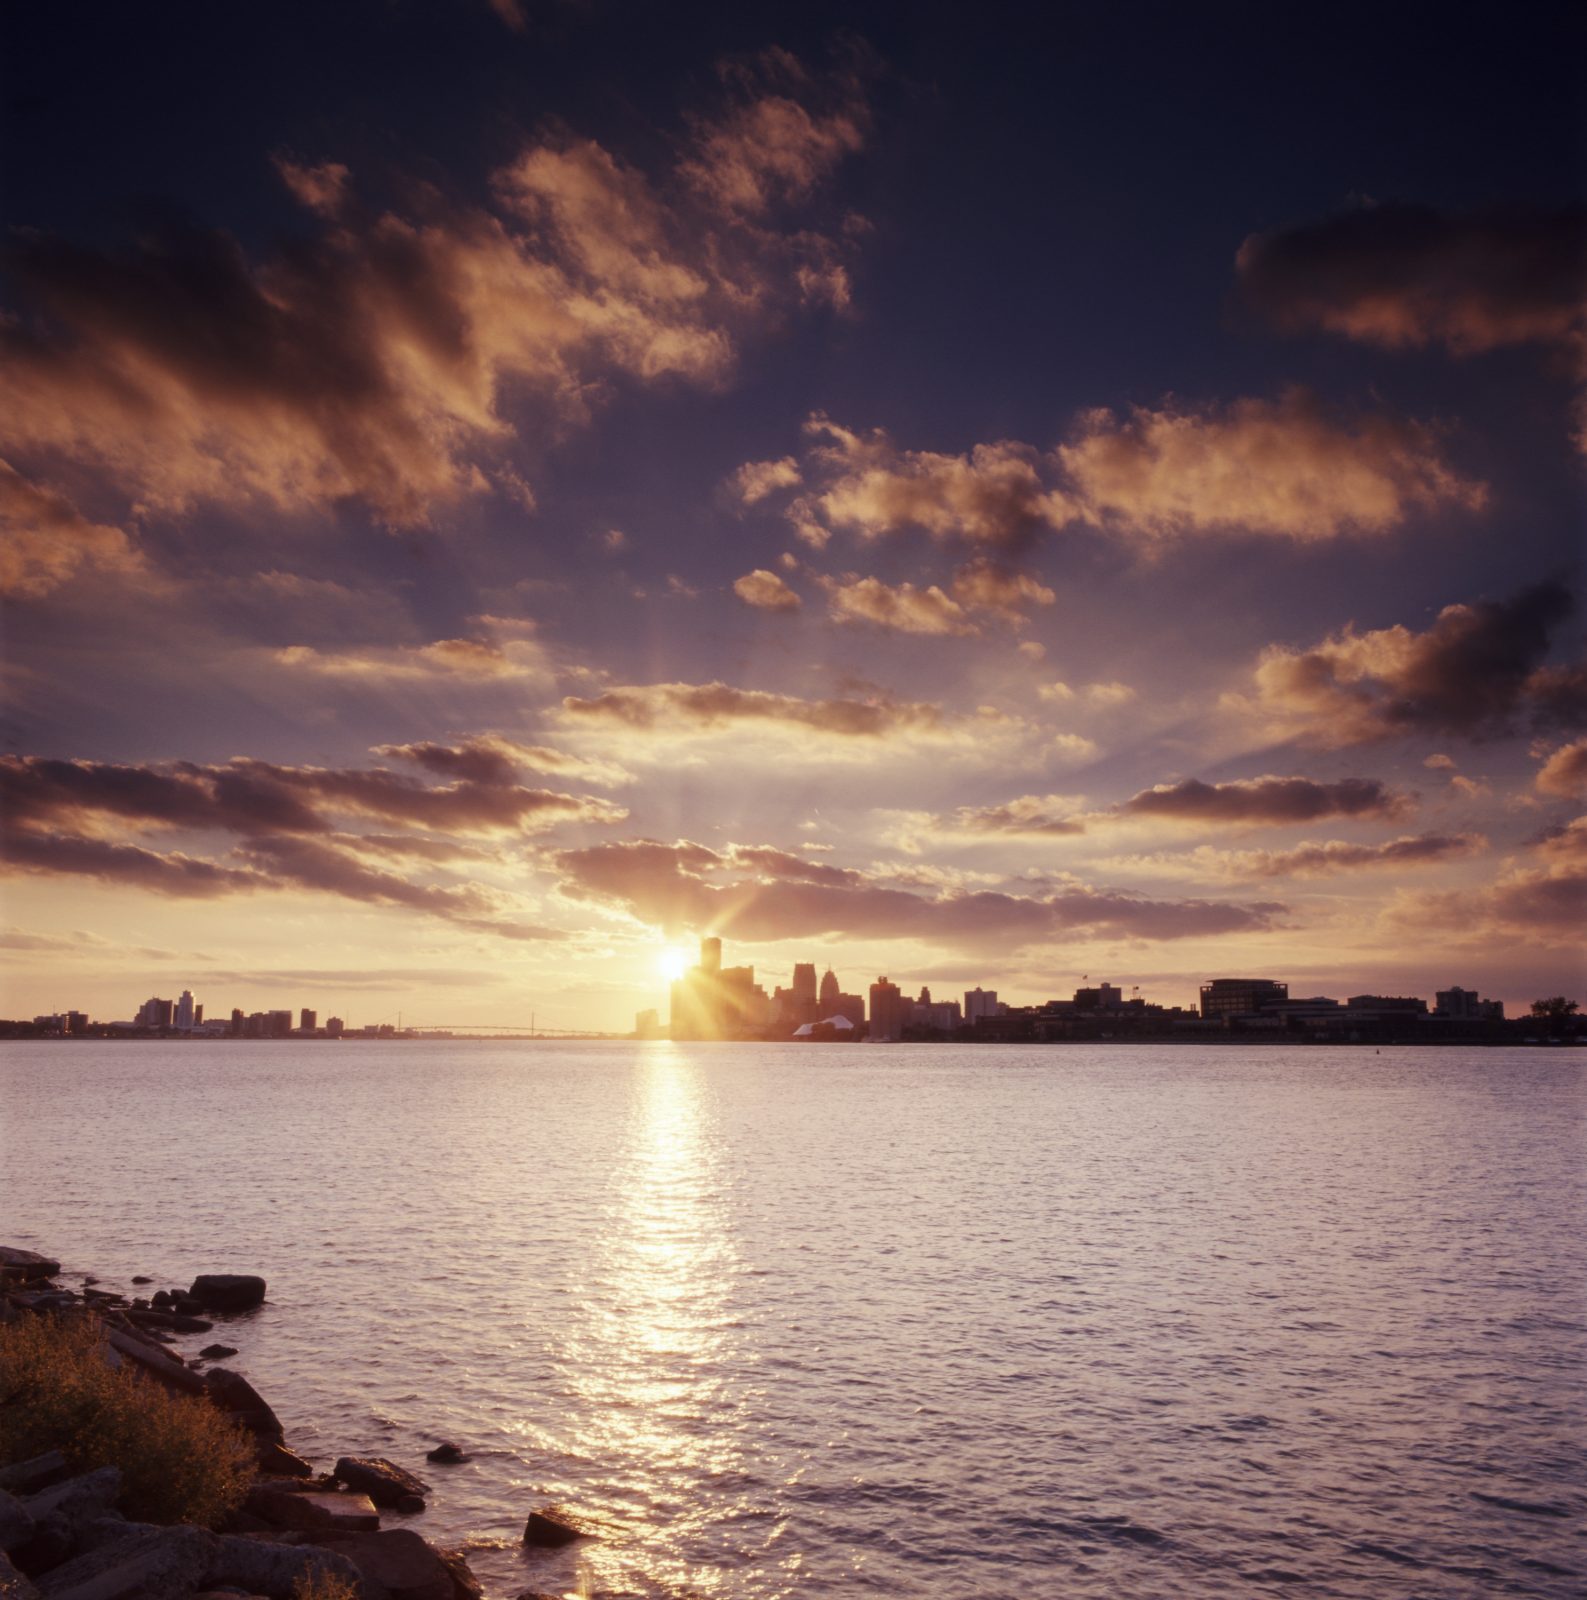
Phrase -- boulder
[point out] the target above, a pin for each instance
(16, 1522)
(139, 1278)
(154, 1361)
(77, 1499)
(312, 1513)
(13, 1586)
(165, 1561)
(551, 1526)
(446, 1453)
(217, 1352)
(267, 1567)
(172, 1321)
(383, 1481)
(465, 1586)
(273, 1457)
(232, 1392)
(397, 1565)
(28, 1477)
(227, 1291)
(25, 1266)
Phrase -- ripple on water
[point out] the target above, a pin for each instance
(1122, 1322)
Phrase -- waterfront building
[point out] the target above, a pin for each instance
(979, 1003)
(334, 1027)
(154, 1013)
(888, 1014)
(308, 1020)
(278, 1024)
(713, 1002)
(184, 1012)
(1240, 997)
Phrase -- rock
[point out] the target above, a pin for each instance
(141, 1279)
(140, 1304)
(161, 1299)
(156, 1561)
(156, 1362)
(28, 1477)
(232, 1392)
(446, 1453)
(77, 1499)
(274, 1457)
(227, 1291)
(25, 1266)
(275, 1568)
(173, 1320)
(465, 1586)
(552, 1526)
(17, 1523)
(89, 1279)
(13, 1586)
(313, 1513)
(218, 1352)
(383, 1481)
(397, 1565)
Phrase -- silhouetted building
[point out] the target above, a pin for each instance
(1105, 997)
(647, 1024)
(238, 1021)
(888, 1014)
(1240, 997)
(710, 1002)
(308, 1020)
(184, 1012)
(278, 1024)
(334, 1027)
(830, 991)
(156, 1013)
(979, 1003)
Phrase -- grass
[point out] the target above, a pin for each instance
(181, 1459)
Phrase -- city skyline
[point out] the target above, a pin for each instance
(491, 498)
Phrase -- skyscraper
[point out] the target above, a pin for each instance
(184, 1012)
(887, 1011)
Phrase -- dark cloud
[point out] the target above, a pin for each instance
(1338, 855)
(1264, 802)
(1479, 669)
(667, 886)
(131, 866)
(1408, 275)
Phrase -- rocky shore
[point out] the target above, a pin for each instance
(61, 1537)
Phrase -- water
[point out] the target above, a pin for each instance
(1116, 1321)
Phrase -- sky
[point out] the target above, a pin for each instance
(493, 491)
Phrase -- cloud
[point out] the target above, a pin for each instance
(1263, 802)
(387, 358)
(321, 188)
(1096, 694)
(1285, 468)
(1403, 276)
(1564, 773)
(469, 659)
(282, 822)
(1042, 816)
(45, 539)
(766, 591)
(688, 886)
(1333, 856)
(686, 707)
(992, 495)
(903, 609)
(1282, 468)
(755, 480)
(492, 759)
(1477, 670)
(774, 144)
(1545, 905)
(983, 586)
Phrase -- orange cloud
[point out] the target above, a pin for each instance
(1266, 802)
(1564, 773)
(982, 586)
(766, 591)
(1280, 468)
(1477, 669)
(44, 539)
(755, 480)
(373, 363)
(476, 659)
(686, 707)
(689, 886)
(904, 608)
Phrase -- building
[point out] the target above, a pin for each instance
(156, 1014)
(238, 1022)
(888, 1011)
(184, 1012)
(1240, 997)
(980, 1003)
(278, 1024)
(713, 1002)
(1463, 1005)
(647, 1024)
(308, 1020)
(1105, 997)
(334, 1027)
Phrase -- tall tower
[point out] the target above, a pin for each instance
(710, 955)
(804, 982)
(829, 991)
(184, 1011)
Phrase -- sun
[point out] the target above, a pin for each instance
(672, 962)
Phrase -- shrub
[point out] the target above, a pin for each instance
(324, 1586)
(181, 1459)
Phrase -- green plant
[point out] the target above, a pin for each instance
(181, 1459)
